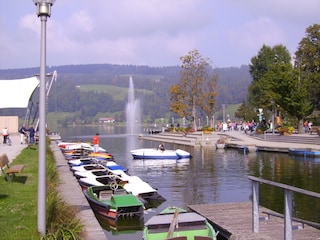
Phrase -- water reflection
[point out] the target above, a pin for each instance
(210, 176)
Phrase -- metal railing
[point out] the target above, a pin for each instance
(288, 190)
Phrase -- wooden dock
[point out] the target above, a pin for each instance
(235, 219)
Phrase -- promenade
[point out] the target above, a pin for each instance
(237, 139)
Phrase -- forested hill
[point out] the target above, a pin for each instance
(232, 85)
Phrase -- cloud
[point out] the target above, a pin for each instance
(151, 32)
(253, 35)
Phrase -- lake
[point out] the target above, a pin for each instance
(210, 176)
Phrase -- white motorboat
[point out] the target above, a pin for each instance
(153, 153)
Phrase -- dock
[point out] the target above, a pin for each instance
(239, 140)
(236, 219)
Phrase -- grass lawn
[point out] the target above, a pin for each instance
(18, 202)
(18, 208)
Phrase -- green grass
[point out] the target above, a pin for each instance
(18, 202)
(117, 93)
(18, 208)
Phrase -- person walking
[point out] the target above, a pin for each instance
(31, 134)
(23, 132)
(95, 141)
(5, 135)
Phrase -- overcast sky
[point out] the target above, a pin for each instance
(151, 32)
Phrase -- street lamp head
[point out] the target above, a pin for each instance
(44, 7)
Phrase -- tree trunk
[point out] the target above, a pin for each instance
(300, 126)
(194, 116)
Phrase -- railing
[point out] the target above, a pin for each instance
(288, 190)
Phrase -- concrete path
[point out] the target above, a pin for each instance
(16, 147)
(71, 192)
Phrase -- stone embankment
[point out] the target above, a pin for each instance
(237, 139)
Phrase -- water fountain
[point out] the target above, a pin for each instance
(133, 112)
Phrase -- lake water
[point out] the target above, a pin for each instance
(210, 176)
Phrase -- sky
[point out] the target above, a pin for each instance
(151, 32)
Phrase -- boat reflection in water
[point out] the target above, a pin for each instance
(121, 226)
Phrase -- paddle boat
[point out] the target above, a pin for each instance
(88, 160)
(88, 167)
(132, 184)
(114, 202)
(65, 146)
(153, 153)
(175, 222)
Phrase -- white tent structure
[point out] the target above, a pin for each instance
(16, 93)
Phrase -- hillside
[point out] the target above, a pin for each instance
(103, 89)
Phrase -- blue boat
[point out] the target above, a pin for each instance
(304, 152)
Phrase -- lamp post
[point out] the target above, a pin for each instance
(213, 121)
(43, 11)
(224, 112)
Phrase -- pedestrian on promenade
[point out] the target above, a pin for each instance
(5, 135)
(306, 126)
(95, 141)
(23, 132)
(32, 133)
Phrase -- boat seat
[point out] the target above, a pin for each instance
(177, 238)
(202, 238)
(120, 192)
(105, 195)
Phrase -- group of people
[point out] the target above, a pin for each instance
(27, 135)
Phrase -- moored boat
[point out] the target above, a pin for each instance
(176, 222)
(304, 152)
(132, 184)
(152, 153)
(114, 202)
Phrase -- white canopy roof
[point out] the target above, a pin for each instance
(16, 93)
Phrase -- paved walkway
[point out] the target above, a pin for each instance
(237, 139)
(276, 142)
(16, 147)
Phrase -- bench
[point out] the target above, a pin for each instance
(314, 129)
(11, 170)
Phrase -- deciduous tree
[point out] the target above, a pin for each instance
(307, 62)
(196, 90)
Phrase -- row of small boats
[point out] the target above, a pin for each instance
(110, 190)
(114, 195)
